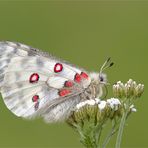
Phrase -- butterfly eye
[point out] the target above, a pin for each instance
(101, 78)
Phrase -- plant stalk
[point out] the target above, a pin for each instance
(121, 127)
(110, 134)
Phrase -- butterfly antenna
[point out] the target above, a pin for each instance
(106, 64)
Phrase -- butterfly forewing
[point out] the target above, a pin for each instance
(34, 83)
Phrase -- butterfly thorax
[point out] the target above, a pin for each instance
(94, 90)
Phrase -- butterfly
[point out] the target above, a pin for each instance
(36, 84)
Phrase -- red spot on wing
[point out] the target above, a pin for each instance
(84, 75)
(77, 78)
(68, 84)
(35, 98)
(58, 67)
(64, 92)
(34, 78)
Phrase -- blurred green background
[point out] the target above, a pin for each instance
(84, 33)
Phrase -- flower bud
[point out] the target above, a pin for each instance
(139, 90)
(128, 90)
(132, 108)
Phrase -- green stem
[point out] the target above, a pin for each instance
(111, 133)
(121, 127)
(98, 132)
(87, 136)
(99, 136)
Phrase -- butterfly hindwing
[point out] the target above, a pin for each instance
(61, 110)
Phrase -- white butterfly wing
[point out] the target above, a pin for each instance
(8, 50)
(33, 83)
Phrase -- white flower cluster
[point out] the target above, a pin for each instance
(101, 105)
(87, 102)
(113, 103)
(129, 89)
